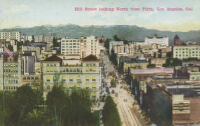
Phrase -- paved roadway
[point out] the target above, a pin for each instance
(128, 118)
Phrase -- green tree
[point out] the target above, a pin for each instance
(19, 104)
(107, 43)
(79, 111)
(57, 101)
(151, 65)
(10, 47)
(172, 62)
(113, 57)
(110, 113)
(55, 43)
(116, 38)
(26, 43)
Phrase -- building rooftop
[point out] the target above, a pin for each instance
(6, 57)
(90, 58)
(53, 58)
(152, 70)
(187, 92)
(38, 44)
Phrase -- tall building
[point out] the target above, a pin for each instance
(176, 40)
(80, 73)
(11, 35)
(112, 43)
(157, 40)
(28, 63)
(186, 51)
(83, 46)
(39, 38)
(10, 71)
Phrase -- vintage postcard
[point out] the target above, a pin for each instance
(99, 63)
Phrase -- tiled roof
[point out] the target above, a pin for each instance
(53, 58)
(5, 58)
(90, 58)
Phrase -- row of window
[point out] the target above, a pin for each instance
(70, 52)
(187, 55)
(90, 64)
(70, 43)
(78, 85)
(30, 78)
(71, 70)
(188, 49)
(70, 40)
(70, 49)
(78, 78)
(10, 70)
(70, 46)
(10, 65)
(51, 65)
(11, 81)
(187, 52)
(10, 87)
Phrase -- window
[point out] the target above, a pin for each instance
(78, 79)
(48, 79)
(93, 78)
(93, 85)
(87, 85)
(87, 78)
(63, 79)
(70, 78)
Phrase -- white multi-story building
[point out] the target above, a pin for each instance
(186, 51)
(112, 43)
(157, 40)
(72, 73)
(83, 46)
(11, 35)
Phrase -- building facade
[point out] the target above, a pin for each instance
(112, 43)
(86, 74)
(186, 51)
(157, 40)
(83, 46)
(10, 72)
(11, 35)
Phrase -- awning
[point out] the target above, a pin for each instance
(63, 78)
(47, 78)
(93, 85)
(93, 77)
(78, 78)
(78, 85)
(87, 78)
(70, 78)
(64, 85)
(71, 85)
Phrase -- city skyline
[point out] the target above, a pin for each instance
(35, 13)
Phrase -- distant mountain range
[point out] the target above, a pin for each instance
(128, 32)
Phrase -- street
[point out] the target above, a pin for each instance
(121, 97)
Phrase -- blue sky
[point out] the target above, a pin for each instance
(29, 13)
